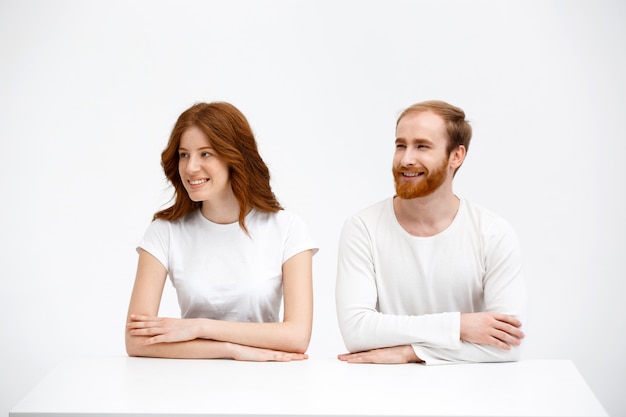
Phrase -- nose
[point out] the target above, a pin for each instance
(193, 164)
(409, 157)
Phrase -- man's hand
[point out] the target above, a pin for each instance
(499, 330)
(161, 329)
(395, 354)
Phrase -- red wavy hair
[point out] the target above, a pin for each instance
(232, 139)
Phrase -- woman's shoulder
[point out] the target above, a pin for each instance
(188, 220)
(280, 217)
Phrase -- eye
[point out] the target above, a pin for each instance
(206, 154)
(400, 146)
(182, 155)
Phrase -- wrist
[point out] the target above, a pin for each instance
(230, 350)
(199, 329)
(411, 355)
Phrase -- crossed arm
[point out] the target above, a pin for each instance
(500, 331)
(147, 334)
(491, 334)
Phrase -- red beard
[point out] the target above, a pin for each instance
(426, 185)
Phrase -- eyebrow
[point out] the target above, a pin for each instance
(416, 140)
(204, 148)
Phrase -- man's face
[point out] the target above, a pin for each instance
(421, 161)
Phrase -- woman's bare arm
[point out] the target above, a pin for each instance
(150, 335)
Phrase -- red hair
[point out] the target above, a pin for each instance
(232, 139)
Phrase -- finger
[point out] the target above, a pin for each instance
(142, 324)
(516, 333)
(136, 325)
(508, 338)
(280, 357)
(499, 344)
(144, 318)
(152, 340)
(511, 330)
(362, 358)
(148, 331)
(505, 318)
(285, 356)
(347, 356)
(298, 356)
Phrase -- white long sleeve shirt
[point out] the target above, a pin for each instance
(394, 288)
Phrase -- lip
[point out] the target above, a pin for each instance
(195, 183)
(411, 175)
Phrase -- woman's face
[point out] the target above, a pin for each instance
(204, 175)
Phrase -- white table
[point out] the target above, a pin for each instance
(123, 386)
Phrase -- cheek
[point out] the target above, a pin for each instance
(181, 168)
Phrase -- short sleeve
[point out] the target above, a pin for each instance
(298, 238)
(156, 241)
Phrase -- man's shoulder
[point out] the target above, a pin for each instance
(484, 217)
(373, 210)
(477, 208)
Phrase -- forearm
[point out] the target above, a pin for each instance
(206, 349)
(284, 336)
(192, 349)
(468, 352)
(366, 330)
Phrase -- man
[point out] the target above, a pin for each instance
(426, 276)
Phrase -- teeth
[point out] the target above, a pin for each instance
(197, 182)
(411, 174)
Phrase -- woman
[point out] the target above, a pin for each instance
(229, 248)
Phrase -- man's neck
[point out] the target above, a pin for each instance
(426, 216)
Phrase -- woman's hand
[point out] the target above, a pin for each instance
(162, 329)
(254, 354)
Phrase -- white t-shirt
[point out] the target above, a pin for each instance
(220, 272)
(394, 288)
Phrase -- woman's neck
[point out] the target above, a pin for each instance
(221, 211)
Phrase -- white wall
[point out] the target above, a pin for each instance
(90, 90)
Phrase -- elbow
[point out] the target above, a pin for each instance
(352, 345)
(134, 348)
(515, 354)
(299, 347)
(353, 341)
(300, 343)
(297, 340)
(354, 334)
(132, 351)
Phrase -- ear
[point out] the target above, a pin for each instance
(457, 156)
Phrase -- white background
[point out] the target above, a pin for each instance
(91, 89)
